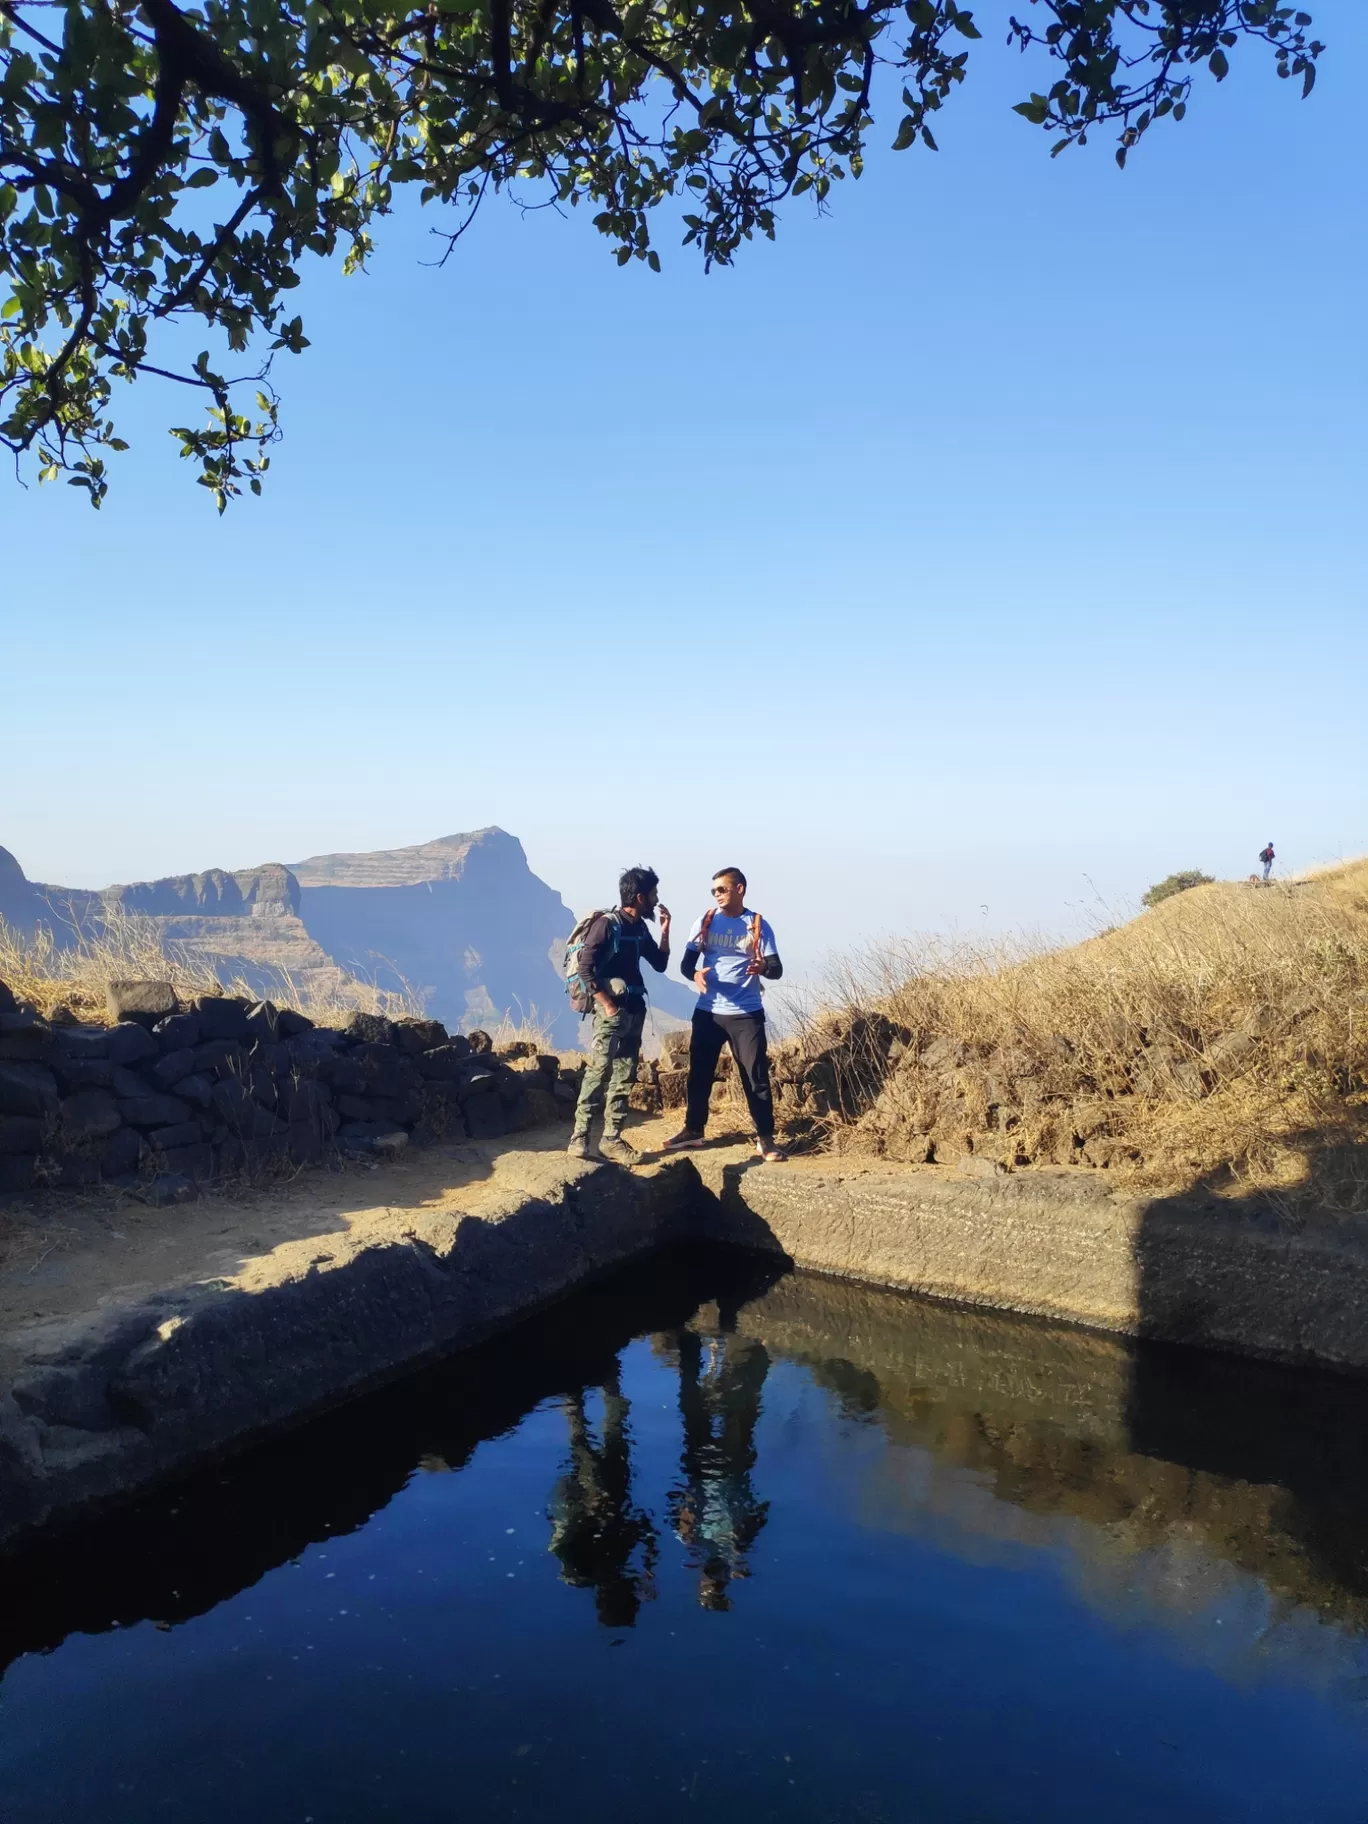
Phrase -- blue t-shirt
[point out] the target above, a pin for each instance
(726, 951)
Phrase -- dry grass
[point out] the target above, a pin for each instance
(532, 1028)
(125, 947)
(1221, 1038)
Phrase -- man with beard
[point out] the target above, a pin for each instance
(611, 952)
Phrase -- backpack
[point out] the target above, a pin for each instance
(580, 991)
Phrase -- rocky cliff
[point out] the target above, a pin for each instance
(21, 902)
(461, 923)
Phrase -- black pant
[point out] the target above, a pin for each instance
(745, 1033)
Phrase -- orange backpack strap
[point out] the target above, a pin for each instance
(754, 944)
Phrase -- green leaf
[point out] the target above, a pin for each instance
(370, 96)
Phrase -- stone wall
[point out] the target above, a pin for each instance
(1221, 1273)
(169, 1096)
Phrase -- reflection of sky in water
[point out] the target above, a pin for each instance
(854, 1559)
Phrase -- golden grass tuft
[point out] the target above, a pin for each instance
(1219, 1039)
(126, 947)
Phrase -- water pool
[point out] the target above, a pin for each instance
(715, 1541)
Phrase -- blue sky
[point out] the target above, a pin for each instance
(965, 560)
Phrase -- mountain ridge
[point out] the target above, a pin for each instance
(460, 924)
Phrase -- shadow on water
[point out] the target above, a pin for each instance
(187, 1547)
(1204, 1260)
(1137, 1450)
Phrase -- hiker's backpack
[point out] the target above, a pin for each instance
(580, 990)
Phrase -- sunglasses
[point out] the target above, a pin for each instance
(721, 892)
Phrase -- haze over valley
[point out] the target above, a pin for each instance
(460, 925)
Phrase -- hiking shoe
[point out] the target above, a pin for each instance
(683, 1142)
(618, 1151)
(579, 1146)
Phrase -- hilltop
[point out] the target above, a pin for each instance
(1219, 1039)
(459, 928)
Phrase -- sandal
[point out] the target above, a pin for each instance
(773, 1155)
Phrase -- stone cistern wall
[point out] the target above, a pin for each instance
(171, 1096)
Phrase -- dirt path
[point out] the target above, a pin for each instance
(67, 1258)
(66, 1253)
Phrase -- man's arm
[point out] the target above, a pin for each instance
(658, 954)
(767, 963)
(691, 966)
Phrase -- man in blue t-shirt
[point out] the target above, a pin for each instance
(730, 950)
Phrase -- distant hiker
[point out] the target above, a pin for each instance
(729, 950)
(606, 952)
(1266, 857)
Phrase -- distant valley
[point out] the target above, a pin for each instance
(461, 924)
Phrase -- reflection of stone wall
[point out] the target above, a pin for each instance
(1021, 1433)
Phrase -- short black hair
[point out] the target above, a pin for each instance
(634, 881)
(731, 874)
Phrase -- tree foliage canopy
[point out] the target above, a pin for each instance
(163, 162)
(1175, 883)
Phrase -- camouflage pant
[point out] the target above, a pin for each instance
(612, 1067)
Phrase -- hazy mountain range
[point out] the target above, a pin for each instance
(462, 923)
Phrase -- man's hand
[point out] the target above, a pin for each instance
(608, 1005)
(701, 980)
(755, 966)
(663, 918)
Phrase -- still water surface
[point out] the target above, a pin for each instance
(711, 1542)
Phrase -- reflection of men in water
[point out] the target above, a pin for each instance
(715, 1510)
(596, 1531)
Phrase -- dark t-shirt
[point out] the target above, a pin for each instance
(600, 959)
